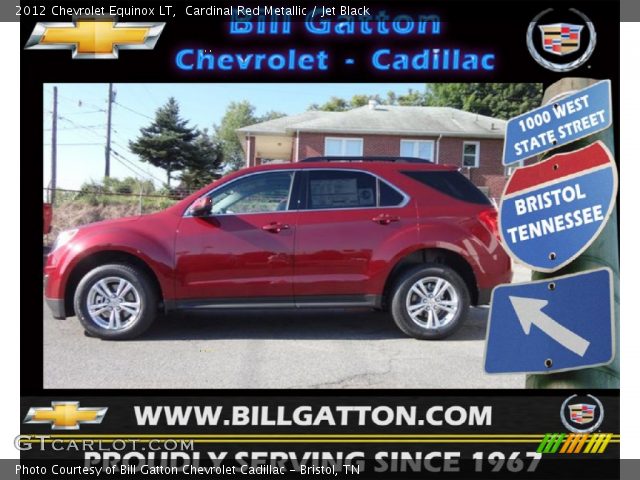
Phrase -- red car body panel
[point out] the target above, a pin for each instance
(230, 256)
(319, 253)
(345, 252)
(142, 237)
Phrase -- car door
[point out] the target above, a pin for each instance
(243, 251)
(348, 218)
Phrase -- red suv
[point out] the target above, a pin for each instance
(410, 237)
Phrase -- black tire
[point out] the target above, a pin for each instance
(143, 293)
(401, 290)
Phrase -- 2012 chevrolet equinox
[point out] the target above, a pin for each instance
(414, 238)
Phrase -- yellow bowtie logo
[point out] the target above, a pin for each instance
(98, 38)
(65, 415)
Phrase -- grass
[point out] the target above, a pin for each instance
(72, 210)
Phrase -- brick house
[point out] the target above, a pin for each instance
(440, 134)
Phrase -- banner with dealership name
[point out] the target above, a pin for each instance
(220, 299)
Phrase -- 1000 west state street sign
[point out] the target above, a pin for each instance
(552, 211)
(561, 122)
(551, 325)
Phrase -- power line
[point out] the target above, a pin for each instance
(117, 158)
(119, 145)
(83, 127)
(102, 110)
(130, 162)
(79, 103)
(73, 144)
(75, 128)
(134, 111)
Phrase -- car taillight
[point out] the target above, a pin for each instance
(489, 218)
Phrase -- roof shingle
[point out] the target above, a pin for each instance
(384, 119)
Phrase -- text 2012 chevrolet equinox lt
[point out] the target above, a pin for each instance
(413, 238)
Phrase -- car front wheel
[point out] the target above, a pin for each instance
(116, 302)
(430, 302)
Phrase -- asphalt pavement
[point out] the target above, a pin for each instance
(284, 349)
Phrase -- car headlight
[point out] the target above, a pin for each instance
(64, 237)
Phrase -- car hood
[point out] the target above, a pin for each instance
(113, 222)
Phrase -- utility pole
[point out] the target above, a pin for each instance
(602, 253)
(54, 146)
(107, 148)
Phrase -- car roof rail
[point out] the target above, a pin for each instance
(366, 159)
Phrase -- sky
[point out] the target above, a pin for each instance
(82, 118)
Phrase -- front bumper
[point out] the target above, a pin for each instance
(56, 305)
(484, 296)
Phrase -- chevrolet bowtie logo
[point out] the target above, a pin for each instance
(97, 38)
(65, 415)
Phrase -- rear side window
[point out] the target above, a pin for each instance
(338, 189)
(341, 189)
(389, 196)
(453, 184)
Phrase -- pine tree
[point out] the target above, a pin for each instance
(167, 143)
(205, 166)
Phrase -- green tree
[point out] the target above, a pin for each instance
(238, 115)
(167, 143)
(334, 104)
(205, 166)
(271, 115)
(500, 100)
(413, 98)
(128, 185)
(337, 104)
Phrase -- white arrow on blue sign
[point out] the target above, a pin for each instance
(564, 323)
(552, 211)
(563, 121)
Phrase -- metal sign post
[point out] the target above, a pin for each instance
(603, 252)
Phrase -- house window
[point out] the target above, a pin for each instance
(471, 154)
(342, 147)
(417, 149)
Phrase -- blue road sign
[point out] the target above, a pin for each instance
(564, 323)
(552, 211)
(561, 122)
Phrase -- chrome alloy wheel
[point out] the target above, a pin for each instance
(432, 302)
(113, 303)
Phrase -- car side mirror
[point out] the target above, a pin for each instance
(201, 207)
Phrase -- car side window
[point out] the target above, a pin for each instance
(257, 193)
(388, 196)
(336, 189)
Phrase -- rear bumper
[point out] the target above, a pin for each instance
(56, 305)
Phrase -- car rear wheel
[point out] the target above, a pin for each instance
(430, 302)
(116, 302)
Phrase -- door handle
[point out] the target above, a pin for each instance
(384, 219)
(275, 227)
